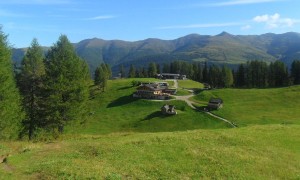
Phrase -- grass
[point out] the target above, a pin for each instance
(116, 110)
(184, 85)
(254, 152)
(257, 106)
(126, 138)
(190, 84)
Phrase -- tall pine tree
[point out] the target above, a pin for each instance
(131, 73)
(295, 72)
(10, 102)
(31, 84)
(67, 80)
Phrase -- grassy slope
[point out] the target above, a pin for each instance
(257, 106)
(117, 111)
(254, 152)
(183, 85)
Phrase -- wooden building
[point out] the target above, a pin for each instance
(168, 109)
(215, 103)
(151, 91)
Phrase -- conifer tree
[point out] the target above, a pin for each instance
(227, 77)
(101, 77)
(131, 73)
(10, 102)
(109, 72)
(122, 71)
(31, 84)
(295, 72)
(205, 73)
(67, 84)
(152, 71)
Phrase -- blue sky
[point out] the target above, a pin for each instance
(133, 20)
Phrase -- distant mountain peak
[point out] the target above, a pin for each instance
(224, 33)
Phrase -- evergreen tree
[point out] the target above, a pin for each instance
(295, 72)
(131, 73)
(205, 73)
(137, 73)
(144, 73)
(101, 77)
(10, 102)
(241, 79)
(166, 68)
(215, 76)
(109, 71)
(199, 73)
(227, 77)
(158, 69)
(122, 71)
(97, 79)
(31, 84)
(67, 85)
(279, 74)
(152, 71)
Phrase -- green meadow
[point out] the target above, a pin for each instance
(116, 110)
(128, 138)
(256, 152)
(257, 106)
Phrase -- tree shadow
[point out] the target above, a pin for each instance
(123, 88)
(154, 115)
(124, 100)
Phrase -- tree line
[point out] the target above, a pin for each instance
(45, 93)
(253, 74)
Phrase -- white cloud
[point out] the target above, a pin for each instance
(101, 17)
(242, 2)
(275, 21)
(246, 27)
(199, 26)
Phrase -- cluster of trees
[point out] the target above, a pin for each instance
(253, 74)
(216, 76)
(54, 90)
(143, 72)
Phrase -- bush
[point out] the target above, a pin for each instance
(135, 83)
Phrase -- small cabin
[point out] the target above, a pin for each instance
(168, 109)
(215, 103)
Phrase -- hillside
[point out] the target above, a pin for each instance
(257, 106)
(256, 152)
(222, 48)
(127, 138)
(116, 110)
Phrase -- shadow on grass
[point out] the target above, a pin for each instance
(123, 88)
(155, 115)
(122, 101)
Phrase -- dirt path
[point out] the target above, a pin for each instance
(190, 103)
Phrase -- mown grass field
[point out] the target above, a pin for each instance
(256, 152)
(127, 138)
(257, 106)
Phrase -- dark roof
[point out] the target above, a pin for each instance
(169, 74)
(215, 100)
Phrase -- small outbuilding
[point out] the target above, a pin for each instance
(168, 109)
(215, 103)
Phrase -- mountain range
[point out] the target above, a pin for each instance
(223, 48)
